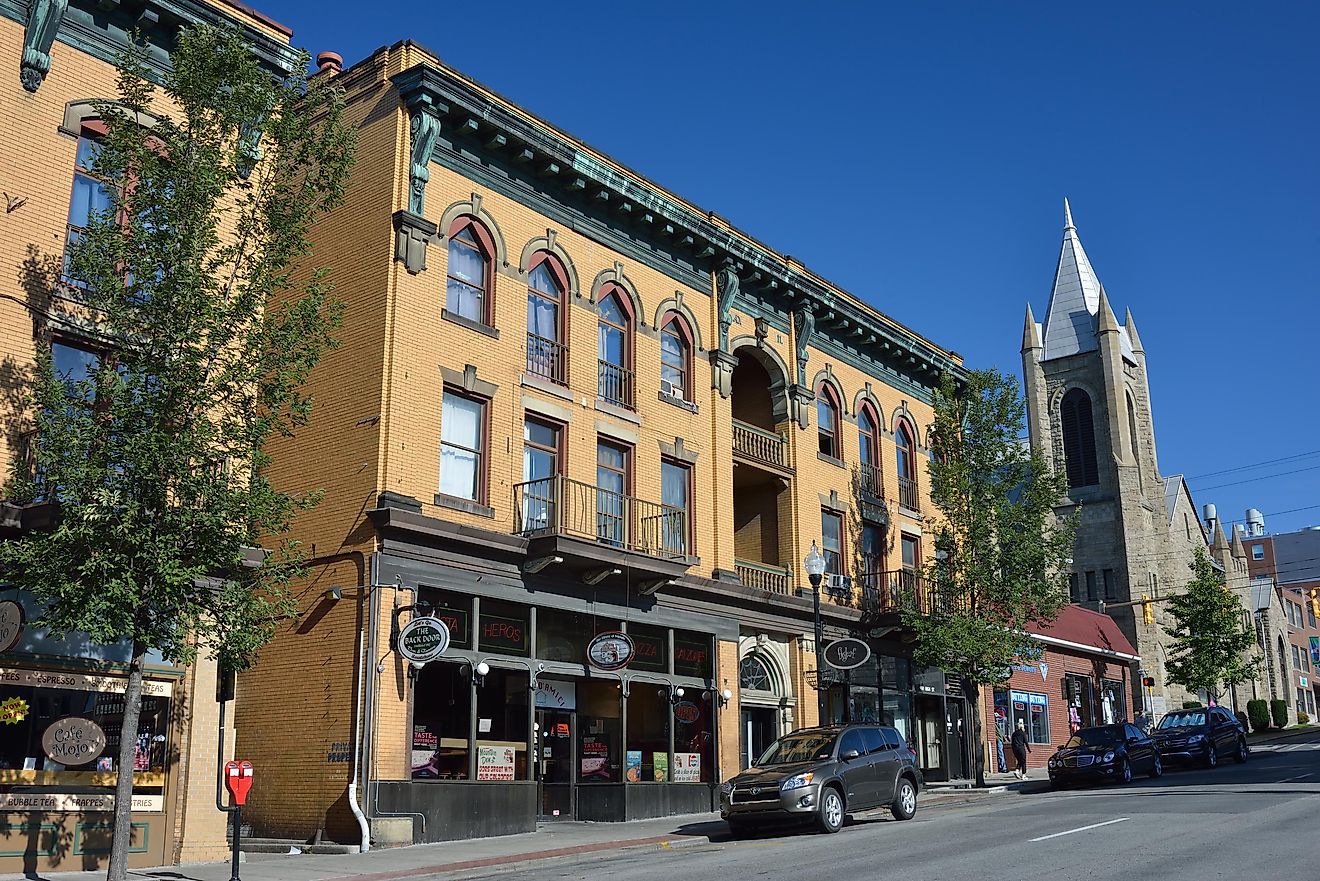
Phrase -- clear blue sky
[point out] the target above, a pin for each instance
(930, 145)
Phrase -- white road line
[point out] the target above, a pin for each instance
(1291, 779)
(1082, 829)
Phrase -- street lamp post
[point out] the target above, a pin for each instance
(814, 564)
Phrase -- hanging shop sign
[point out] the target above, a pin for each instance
(424, 639)
(73, 741)
(12, 620)
(611, 650)
(687, 712)
(847, 653)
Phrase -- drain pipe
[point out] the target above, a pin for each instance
(353, 805)
(376, 669)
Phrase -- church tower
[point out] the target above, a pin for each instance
(1089, 412)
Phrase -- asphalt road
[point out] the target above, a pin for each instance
(1255, 820)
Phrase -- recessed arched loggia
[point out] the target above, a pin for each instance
(761, 470)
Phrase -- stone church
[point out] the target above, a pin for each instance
(1089, 411)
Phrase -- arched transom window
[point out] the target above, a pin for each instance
(1078, 438)
(753, 674)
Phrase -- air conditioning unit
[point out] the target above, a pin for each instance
(838, 583)
(667, 388)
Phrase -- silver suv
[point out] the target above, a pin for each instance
(820, 774)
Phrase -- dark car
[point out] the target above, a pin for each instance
(1105, 752)
(1201, 734)
(821, 774)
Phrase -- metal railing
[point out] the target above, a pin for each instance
(757, 443)
(615, 383)
(870, 480)
(907, 494)
(547, 358)
(894, 591)
(560, 506)
(759, 576)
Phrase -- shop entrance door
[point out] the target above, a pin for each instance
(955, 734)
(555, 761)
(759, 730)
(930, 737)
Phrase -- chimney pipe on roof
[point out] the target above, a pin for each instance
(329, 63)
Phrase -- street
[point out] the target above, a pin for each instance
(1236, 821)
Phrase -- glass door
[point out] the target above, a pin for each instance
(555, 730)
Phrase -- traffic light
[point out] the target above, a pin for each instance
(1147, 609)
(1314, 594)
(1148, 681)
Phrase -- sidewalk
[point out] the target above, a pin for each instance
(551, 840)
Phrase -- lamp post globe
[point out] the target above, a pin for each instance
(814, 565)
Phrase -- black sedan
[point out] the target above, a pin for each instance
(1202, 735)
(1106, 752)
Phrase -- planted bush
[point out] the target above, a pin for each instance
(1279, 710)
(1258, 711)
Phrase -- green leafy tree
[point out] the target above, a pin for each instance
(1212, 645)
(190, 286)
(1001, 553)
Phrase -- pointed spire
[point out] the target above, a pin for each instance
(1030, 332)
(1067, 216)
(1132, 333)
(1238, 549)
(1220, 542)
(1108, 320)
(1069, 326)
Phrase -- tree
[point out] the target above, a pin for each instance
(190, 287)
(1001, 553)
(1211, 645)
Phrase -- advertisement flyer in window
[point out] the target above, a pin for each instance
(595, 758)
(632, 766)
(687, 767)
(495, 762)
(660, 761)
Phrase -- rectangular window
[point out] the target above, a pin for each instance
(599, 729)
(612, 481)
(652, 647)
(462, 436)
(1092, 593)
(831, 532)
(1257, 552)
(692, 654)
(1310, 703)
(673, 361)
(1033, 710)
(1111, 587)
(91, 200)
(442, 712)
(1074, 587)
(1296, 658)
(873, 551)
(911, 546)
(503, 628)
(452, 608)
(76, 366)
(646, 759)
(563, 636)
(502, 717)
(541, 449)
(676, 495)
(1301, 700)
(1310, 616)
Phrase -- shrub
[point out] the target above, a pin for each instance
(1191, 705)
(1242, 717)
(1279, 710)
(1303, 718)
(1259, 713)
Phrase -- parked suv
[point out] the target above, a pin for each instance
(820, 774)
(1201, 734)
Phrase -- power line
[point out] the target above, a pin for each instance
(1254, 465)
(1202, 489)
(1278, 514)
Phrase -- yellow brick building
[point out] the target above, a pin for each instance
(569, 404)
(56, 59)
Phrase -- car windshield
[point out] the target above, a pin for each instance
(1182, 720)
(1102, 736)
(806, 747)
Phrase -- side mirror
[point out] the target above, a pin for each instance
(850, 755)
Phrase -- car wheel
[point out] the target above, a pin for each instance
(1156, 767)
(1242, 752)
(1211, 756)
(905, 800)
(1125, 772)
(829, 816)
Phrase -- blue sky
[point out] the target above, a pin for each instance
(918, 154)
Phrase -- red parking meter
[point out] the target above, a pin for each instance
(238, 780)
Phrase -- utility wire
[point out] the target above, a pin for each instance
(1201, 489)
(1254, 465)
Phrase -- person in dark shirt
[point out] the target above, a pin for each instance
(1020, 750)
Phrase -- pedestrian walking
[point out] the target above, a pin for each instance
(1020, 750)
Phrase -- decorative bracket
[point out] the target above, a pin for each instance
(43, 20)
(804, 325)
(419, 87)
(722, 374)
(726, 285)
(412, 233)
(801, 400)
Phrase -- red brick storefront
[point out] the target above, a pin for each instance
(1081, 678)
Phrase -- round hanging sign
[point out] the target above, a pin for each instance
(73, 741)
(847, 653)
(611, 650)
(687, 712)
(12, 620)
(423, 639)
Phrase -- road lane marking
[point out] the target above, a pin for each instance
(1291, 779)
(1082, 829)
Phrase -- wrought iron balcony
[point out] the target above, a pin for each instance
(894, 592)
(870, 481)
(615, 383)
(547, 358)
(760, 445)
(759, 576)
(596, 526)
(907, 494)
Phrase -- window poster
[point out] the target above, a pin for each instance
(495, 762)
(687, 767)
(633, 766)
(595, 758)
(661, 763)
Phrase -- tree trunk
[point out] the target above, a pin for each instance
(128, 733)
(978, 754)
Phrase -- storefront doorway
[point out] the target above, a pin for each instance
(955, 734)
(930, 737)
(555, 731)
(759, 730)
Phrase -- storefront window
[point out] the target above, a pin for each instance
(1077, 691)
(896, 694)
(504, 628)
(693, 740)
(1112, 706)
(453, 609)
(1033, 711)
(502, 714)
(692, 654)
(442, 712)
(563, 636)
(599, 758)
(652, 645)
(647, 757)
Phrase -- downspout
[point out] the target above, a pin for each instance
(358, 700)
(376, 668)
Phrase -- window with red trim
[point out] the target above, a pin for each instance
(547, 353)
(467, 293)
(614, 347)
(676, 357)
(92, 197)
(827, 421)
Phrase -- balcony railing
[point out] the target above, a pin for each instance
(759, 444)
(560, 506)
(759, 576)
(615, 383)
(870, 480)
(907, 494)
(903, 590)
(547, 358)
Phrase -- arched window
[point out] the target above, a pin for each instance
(614, 350)
(676, 357)
(1078, 438)
(469, 278)
(827, 421)
(547, 354)
(753, 674)
(868, 438)
(1132, 426)
(905, 444)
